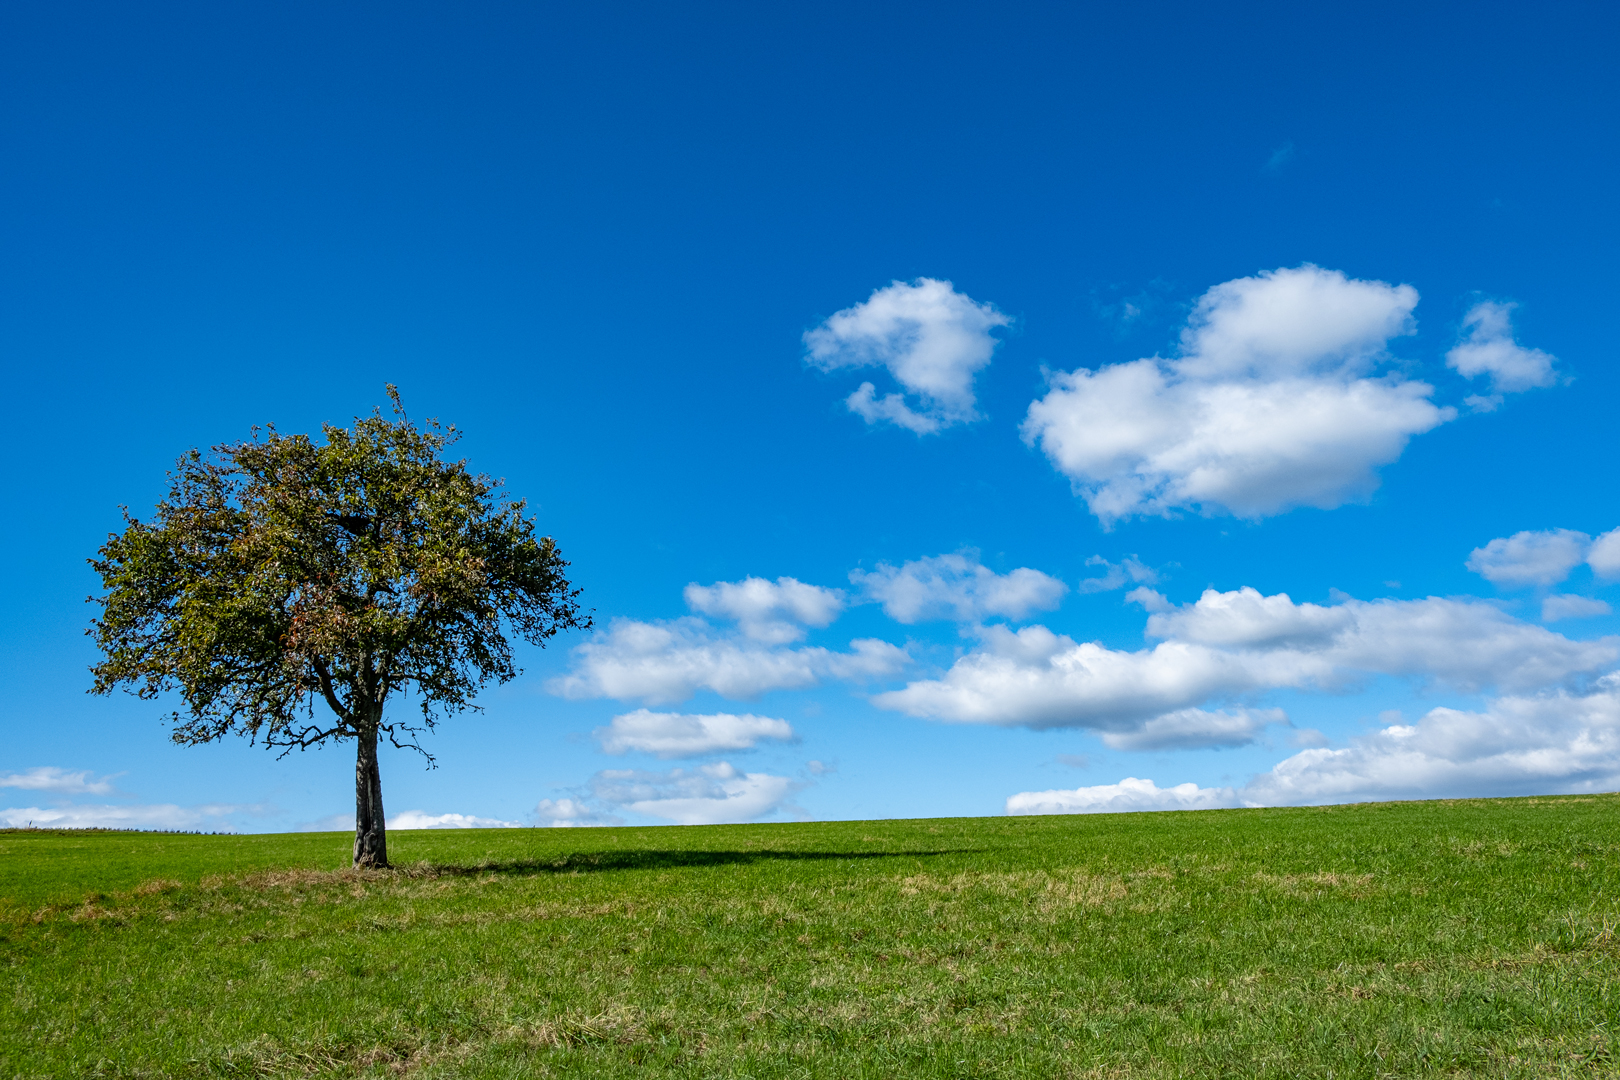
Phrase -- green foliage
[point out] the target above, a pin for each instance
(1415, 939)
(280, 571)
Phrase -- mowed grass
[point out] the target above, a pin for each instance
(1471, 938)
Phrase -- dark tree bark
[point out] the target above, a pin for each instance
(370, 827)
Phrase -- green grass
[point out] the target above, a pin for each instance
(1468, 938)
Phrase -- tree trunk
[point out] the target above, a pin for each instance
(370, 829)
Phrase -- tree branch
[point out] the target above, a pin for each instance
(328, 692)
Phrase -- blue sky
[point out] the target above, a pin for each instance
(1174, 300)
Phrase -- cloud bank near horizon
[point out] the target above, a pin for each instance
(1228, 646)
(1557, 742)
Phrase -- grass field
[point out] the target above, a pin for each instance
(1455, 938)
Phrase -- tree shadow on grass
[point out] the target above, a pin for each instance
(590, 862)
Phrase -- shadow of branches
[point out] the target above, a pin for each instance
(582, 862)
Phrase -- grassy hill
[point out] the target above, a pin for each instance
(1460, 938)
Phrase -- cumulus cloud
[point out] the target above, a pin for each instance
(167, 816)
(1035, 678)
(1230, 644)
(1530, 558)
(1463, 643)
(1195, 729)
(1115, 575)
(1488, 348)
(1555, 607)
(1604, 555)
(1152, 600)
(1130, 794)
(1545, 557)
(62, 781)
(1556, 742)
(1271, 404)
(957, 587)
(670, 661)
(932, 339)
(419, 819)
(674, 735)
(708, 795)
(774, 612)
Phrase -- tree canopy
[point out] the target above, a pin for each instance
(280, 574)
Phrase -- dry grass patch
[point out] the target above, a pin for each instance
(1047, 891)
(1356, 885)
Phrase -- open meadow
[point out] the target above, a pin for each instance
(1439, 938)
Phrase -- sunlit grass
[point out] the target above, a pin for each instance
(1461, 938)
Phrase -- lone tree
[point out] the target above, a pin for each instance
(279, 572)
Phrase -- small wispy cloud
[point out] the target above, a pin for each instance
(62, 781)
(931, 338)
(675, 735)
(1279, 158)
(1558, 607)
(1533, 557)
(1126, 312)
(1488, 348)
(957, 587)
(1115, 575)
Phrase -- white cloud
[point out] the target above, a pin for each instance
(419, 819)
(1195, 729)
(671, 661)
(1530, 558)
(672, 735)
(1545, 557)
(708, 795)
(932, 339)
(1230, 644)
(1539, 744)
(957, 587)
(1464, 643)
(1271, 404)
(1550, 743)
(1291, 321)
(52, 778)
(1152, 600)
(1488, 348)
(1115, 574)
(1246, 619)
(1604, 555)
(1035, 678)
(211, 818)
(774, 612)
(572, 813)
(1556, 607)
(1129, 794)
